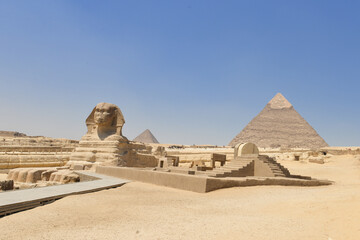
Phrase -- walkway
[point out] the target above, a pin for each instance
(15, 201)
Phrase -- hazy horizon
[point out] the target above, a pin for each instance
(192, 72)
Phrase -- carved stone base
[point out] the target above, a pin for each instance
(106, 152)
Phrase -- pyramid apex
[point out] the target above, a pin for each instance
(279, 102)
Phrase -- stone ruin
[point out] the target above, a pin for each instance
(29, 151)
(246, 162)
(6, 185)
(248, 168)
(35, 177)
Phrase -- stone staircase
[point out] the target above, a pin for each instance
(235, 168)
(244, 166)
(276, 168)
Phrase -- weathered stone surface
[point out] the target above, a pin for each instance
(45, 176)
(279, 125)
(79, 167)
(26, 175)
(158, 151)
(64, 176)
(70, 178)
(30, 176)
(245, 149)
(6, 185)
(22, 175)
(34, 175)
(18, 152)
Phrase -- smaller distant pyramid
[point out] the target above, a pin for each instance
(146, 137)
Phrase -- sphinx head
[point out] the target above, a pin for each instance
(105, 119)
(105, 114)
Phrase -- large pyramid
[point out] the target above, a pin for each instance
(279, 125)
(146, 137)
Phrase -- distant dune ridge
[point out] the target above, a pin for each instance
(280, 125)
(146, 137)
(11, 134)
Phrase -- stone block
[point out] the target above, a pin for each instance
(78, 167)
(45, 176)
(34, 175)
(6, 185)
(70, 178)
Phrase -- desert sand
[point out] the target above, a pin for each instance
(143, 211)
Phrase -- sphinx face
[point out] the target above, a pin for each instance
(104, 114)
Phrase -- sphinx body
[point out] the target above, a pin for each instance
(104, 143)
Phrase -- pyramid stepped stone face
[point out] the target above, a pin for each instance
(146, 137)
(279, 125)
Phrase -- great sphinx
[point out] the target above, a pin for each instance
(104, 143)
(105, 123)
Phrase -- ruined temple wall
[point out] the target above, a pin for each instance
(14, 157)
(141, 160)
(189, 154)
(35, 152)
(16, 161)
(37, 141)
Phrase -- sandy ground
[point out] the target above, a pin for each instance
(144, 211)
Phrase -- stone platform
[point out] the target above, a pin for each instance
(201, 184)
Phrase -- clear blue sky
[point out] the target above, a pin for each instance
(193, 72)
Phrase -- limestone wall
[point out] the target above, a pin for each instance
(41, 156)
(35, 152)
(189, 154)
(37, 141)
(141, 160)
(140, 155)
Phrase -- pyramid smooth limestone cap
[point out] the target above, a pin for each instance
(279, 102)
